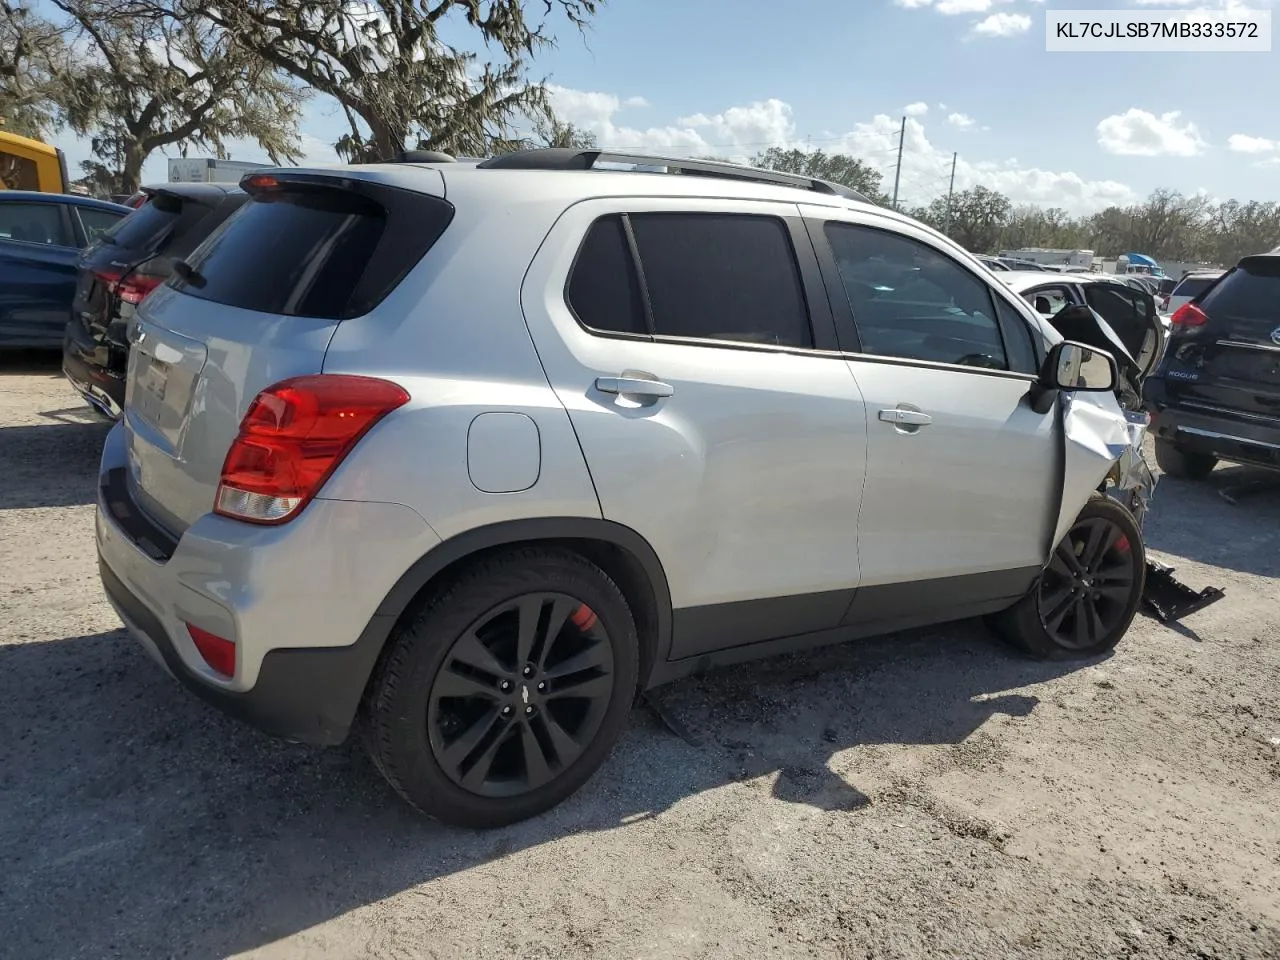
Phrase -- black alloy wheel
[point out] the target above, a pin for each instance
(521, 694)
(1086, 590)
(1088, 593)
(504, 688)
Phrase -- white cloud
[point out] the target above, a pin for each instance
(1003, 25)
(917, 109)
(1138, 133)
(961, 120)
(1243, 143)
(740, 132)
(635, 102)
(964, 6)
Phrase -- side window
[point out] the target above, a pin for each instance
(603, 291)
(34, 223)
(722, 277)
(1017, 338)
(96, 222)
(1124, 310)
(912, 301)
(1048, 300)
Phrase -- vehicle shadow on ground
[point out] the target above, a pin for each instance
(31, 363)
(139, 822)
(51, 463)
(1189, 518)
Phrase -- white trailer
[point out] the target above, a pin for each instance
(208, 170)
(1072, 260)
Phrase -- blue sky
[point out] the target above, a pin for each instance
(1079, 130)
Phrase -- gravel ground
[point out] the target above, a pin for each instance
(922, 795)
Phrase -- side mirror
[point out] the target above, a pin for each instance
(1073, 366)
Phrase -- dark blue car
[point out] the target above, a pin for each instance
(41, 238)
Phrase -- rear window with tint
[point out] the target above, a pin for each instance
(313, 252)
(151, 227)
(1251, 291)
(1192, 286)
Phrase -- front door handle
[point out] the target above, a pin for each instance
(912, 418)
(634, 387)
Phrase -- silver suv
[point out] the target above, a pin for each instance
(466, 455)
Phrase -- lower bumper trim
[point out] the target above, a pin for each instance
(305, 694)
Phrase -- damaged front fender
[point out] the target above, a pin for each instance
(1102, 449)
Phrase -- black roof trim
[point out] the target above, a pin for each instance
(567, 158)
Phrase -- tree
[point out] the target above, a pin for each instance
(834, 167)
(977, 218)
(396, 80)
(149, 82)
(33, 61)
(558, 133)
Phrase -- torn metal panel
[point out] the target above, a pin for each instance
(1102, 443)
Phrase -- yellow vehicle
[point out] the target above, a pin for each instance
(27, 164)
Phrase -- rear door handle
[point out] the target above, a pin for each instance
(634, 387)
(912, 418)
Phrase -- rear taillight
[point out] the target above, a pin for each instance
(135, 288)
(1189, 315)
(131, 289)
(218, 653)
(293, 437)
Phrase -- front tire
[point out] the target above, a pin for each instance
(1088, 593)
(1183, 464)
(507, 689)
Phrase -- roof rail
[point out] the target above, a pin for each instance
(568, 158)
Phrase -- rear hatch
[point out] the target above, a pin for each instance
(1230, 362)
(256, 303)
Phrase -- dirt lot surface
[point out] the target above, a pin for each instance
(919, 796)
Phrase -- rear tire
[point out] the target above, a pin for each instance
(1088, 593)
(506, 690)
(1183, 464)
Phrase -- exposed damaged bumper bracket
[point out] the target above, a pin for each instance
(1169, 600)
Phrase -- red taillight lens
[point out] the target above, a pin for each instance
(135, 288)
(218, 653)
(130, 289)
(1189, 315)
(293, 437)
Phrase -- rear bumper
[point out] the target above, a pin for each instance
(1228, 435)
(85, 364)
(300, 601)
(309, 695)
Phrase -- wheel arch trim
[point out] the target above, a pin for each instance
(460, 547)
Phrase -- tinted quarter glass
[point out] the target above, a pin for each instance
(603, 290)
(1250, 292)
(96, 222)
(34, 223)
(722, 277)
(911, 301)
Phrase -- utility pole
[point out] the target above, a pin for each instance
(897, 174)
(951, 190)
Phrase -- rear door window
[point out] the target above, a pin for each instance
(722, 277)
(41, 223)
(97, 222)
(604, 291)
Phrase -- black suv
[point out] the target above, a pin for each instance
(1216, 396)
(122, 267)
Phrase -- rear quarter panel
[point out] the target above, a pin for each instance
(454, 336)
